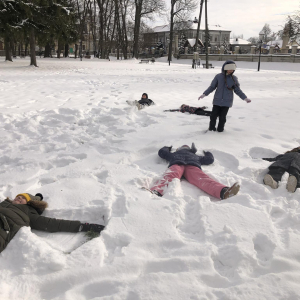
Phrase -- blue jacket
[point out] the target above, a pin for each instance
(185, 157)
(223, 95)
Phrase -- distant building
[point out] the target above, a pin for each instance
(161, 34)
(245, 46)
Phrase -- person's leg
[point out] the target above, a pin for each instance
(197, 177)
(202, 112)
(294, 179)
(273, 177)
(174, 171)
(222, 118)
(213, 117)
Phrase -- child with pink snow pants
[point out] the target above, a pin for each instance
(184, 162)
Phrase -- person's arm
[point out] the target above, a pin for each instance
(51, 224)
(212, 86)
(165, 153)
(273, 159)
(238, 90)
(207, 159)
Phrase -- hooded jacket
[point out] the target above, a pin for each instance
(286, 160)
(146, 101)
(186, 157)
(224, 93)
(15, 216)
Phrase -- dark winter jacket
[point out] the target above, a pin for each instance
(290, 159)
(146, 101)
(225, 85)
(185, 157)
(15, 216)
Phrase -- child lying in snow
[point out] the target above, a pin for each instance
(185, 162)
(287, 162)
(144, 102)
(26, 210)
(192, 110)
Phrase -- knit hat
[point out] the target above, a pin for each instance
(183, 147)
(29, 197)
(229, 67)
(193, 149)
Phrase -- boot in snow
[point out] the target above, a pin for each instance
(291, 184)
(231, 191)
(268, 180)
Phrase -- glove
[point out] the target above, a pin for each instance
(202, 96)
(91, 227)
(247, 100)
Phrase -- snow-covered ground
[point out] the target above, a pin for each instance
(67, 132)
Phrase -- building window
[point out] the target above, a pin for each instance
(216, 39)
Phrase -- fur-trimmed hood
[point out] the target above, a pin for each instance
(39, 206)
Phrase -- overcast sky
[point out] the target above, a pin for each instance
(246, 17)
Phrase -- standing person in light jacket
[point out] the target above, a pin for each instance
(185, 162)
(26, 210)
(225, 83)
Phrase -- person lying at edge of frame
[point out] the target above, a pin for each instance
(185, 162)
(288, 162)
(26, 210)
(144, 102)
(192, 110)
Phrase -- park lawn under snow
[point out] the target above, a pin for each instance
(67, 132)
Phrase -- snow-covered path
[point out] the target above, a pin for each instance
(67, 132)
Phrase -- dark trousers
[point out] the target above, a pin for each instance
(202, 112)
(221, 112)
(277, 173)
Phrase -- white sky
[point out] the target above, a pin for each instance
(244, 16)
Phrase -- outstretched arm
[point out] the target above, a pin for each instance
(207, 159)
(273, 159)
(238, 90)
(51, 224)
(212, 86)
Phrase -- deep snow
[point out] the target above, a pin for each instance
(67, 132)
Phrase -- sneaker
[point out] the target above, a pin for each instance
(268, 180)
(232, 191)
(291, 185)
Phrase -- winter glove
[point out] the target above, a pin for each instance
(247, 100)
(91, 227)
(202, 96)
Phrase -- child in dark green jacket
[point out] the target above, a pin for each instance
(26, 210)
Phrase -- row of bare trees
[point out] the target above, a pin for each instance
(110, 23)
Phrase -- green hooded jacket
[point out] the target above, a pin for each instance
(15, 216)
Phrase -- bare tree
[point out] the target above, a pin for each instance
(143, 8)
(266, 30)
(180, 10)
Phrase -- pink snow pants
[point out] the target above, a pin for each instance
(193, 175)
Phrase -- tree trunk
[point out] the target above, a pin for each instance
(198, 26)
(7, 48)
(32, 48)
(171, 31)
(59, 48)
(47, 50)
(137, 25)
(76, 50)
(12, 47)
(206, 35)
(66, 50)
